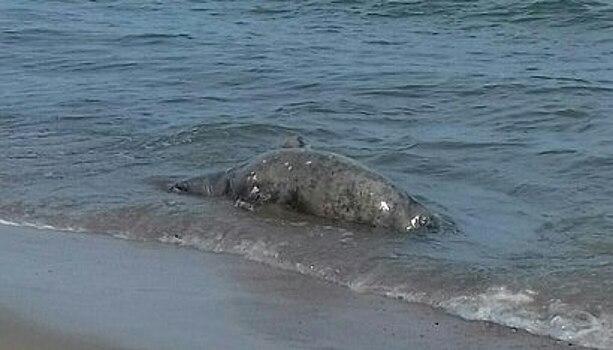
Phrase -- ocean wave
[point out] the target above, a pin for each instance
(37, 225)
(520, 309)
(554, 13)
(498, 304)
(145, 39)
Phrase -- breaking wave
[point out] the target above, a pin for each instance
(352, 258)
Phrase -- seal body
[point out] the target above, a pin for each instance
(320, 183)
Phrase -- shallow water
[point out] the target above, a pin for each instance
(495, 114)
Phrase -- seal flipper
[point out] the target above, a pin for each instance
(215, 184)
(294, 141)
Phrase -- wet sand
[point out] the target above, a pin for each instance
(19, 334)
(83, 291)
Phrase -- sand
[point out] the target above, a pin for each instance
(18, 334)
(85, 291)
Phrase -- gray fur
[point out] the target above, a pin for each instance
(320, 183)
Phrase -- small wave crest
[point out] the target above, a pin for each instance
(522, 309)
(36, 225)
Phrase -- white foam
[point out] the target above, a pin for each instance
(37, 226)
(121, 236)
(520, 310)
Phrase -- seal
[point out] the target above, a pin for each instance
(319, 183)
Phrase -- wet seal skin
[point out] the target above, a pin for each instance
(319, 183)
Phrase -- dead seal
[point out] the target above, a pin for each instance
(314, 182)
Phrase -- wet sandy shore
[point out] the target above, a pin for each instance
(83, 291)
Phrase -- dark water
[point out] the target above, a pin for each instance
(495, 114)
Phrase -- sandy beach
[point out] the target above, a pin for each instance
(19, 334)
(84, 291)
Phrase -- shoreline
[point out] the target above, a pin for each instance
(98, 292)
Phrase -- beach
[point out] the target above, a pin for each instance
(19, 334)
(69, 291)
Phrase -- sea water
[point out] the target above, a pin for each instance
(495, 114)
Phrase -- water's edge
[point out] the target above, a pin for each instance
(500, 305)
